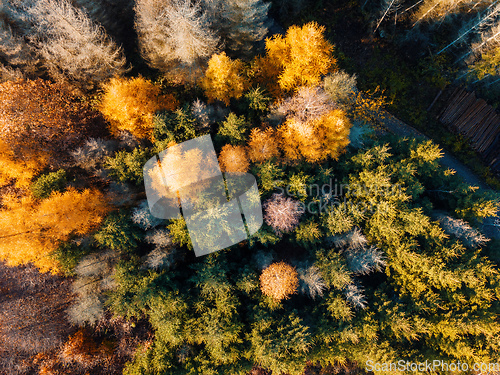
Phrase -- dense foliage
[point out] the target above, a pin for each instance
(369, 250)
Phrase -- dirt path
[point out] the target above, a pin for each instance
(491, 226)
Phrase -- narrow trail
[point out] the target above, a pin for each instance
(491, 226)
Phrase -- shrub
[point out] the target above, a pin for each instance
(279, 281)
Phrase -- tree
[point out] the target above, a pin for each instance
(311, 282)
(281, 213)
(233, 129)
(315, 140)
(129, 104)
(174, 33)
(224, 79)
(279, 281)
(340, 86)
(486, 54)
(308, 103)
(302, 57)
(16, 53)
(233, 159)
(35, 229)
(242, 24)
(177, 126)
(117, 233)
(108, 13)
(47, 183)
(73, 48)
(262, 145)
(128, 166)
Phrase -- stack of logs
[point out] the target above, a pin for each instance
(477, 121)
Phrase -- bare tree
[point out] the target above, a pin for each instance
(311, 281)
(73, 48)
(242, 23)
(174, 33)
(18, 54)
(281, 213)
(307, 104)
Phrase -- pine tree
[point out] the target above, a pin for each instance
(233, 129)
(175, 33)
(73, 48)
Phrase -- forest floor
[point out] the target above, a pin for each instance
(32, 316)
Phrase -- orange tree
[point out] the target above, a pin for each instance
(30, 231)
(300, 58)
(224, 79)
(130, 103)
(317, 139)
(279, 281)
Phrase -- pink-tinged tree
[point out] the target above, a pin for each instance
(282, 214)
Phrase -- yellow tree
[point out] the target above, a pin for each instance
(301, 57)
(130, 103)
(31, 231)
(317, 139)
(262, 145)
(279, 281)
(233, 159)
(224, 79)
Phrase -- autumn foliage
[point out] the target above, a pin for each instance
(300, 58)
(129, 104)
(315, 140)
(40, 120)
(262, 145)
(279, 281)
(31, 231)
(224, 79)
(233, 159)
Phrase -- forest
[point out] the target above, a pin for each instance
(373, 250)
